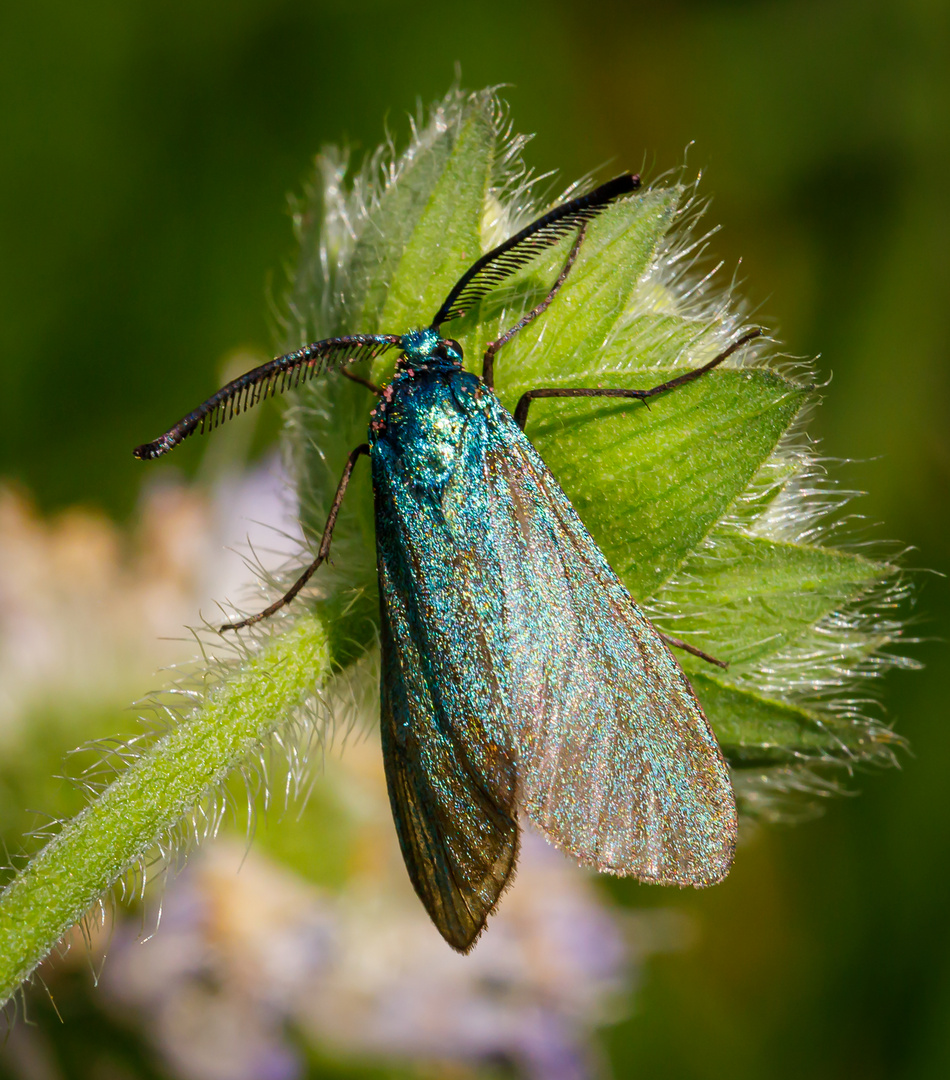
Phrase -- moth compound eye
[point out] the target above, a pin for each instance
(452, 350)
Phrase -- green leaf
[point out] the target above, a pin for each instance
(755, 731)
(651, 340)
(610, 265)
(387, 234)
(759, 596)
(447, 238)
(665, 474)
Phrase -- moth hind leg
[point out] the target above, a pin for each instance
(524, 403)
(322, 554)
(677, 643)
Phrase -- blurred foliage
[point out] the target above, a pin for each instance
(148, 150)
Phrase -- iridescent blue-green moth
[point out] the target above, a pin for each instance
(518, 676)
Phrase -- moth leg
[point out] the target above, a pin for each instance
(521, 412)
(321, 555)
(488, 364)
(675, 643)
(377, 390)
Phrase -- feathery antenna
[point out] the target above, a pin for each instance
(492, 269)
(282, 373)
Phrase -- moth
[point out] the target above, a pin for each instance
(518, 675)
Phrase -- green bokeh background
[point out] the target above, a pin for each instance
(147, 151)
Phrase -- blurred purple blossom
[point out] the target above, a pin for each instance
(240, 957)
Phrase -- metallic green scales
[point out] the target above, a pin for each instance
(518, 674)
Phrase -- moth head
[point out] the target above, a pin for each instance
(422, 347)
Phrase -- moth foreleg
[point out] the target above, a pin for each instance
(353, 377)
(488, 364)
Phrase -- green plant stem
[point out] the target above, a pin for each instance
(149, 798)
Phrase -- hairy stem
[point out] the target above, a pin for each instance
(150, 797)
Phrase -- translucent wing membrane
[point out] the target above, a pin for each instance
(518, 674)
(492, 269)
(282, 373)
(450, 766)
(454, 810)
